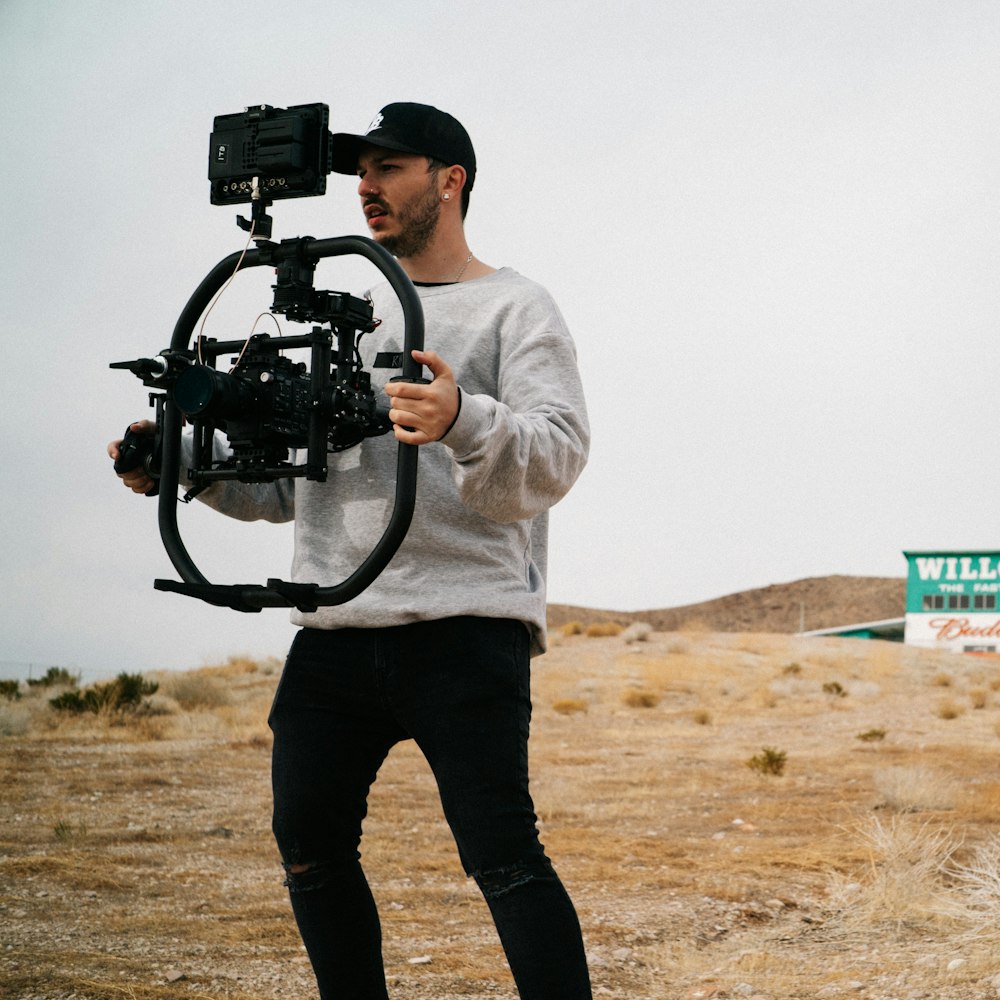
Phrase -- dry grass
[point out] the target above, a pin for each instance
(637, 632)
(908, 789)
(979, 698)
(569, 706)
(640, 698)
(136, 859)
(978, 882)
(602, 630)
(902, 880)
(949, 709)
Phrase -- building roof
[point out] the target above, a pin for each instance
(887, 628)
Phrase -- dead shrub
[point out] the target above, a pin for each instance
(905, 880)
(15, 720)
(243, 664)
(979, 698)
(195, 690)
(569, 706)
(637, 632)
(913, 789)
(872, 736)
(978, 882)
(641, 698)
(600, 630)
(949, 709)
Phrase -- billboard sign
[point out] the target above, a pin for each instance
(953, 601)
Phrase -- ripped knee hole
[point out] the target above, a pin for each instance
(305, 876)
(498, 882)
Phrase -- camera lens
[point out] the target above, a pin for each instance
(201, 390)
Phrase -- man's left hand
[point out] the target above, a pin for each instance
(424, 413)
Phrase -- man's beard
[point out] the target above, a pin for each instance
(417, 222)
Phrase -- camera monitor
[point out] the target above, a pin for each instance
(287, 151)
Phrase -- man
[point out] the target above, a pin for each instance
(437, 649)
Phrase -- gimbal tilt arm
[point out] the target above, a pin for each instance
(278, 593)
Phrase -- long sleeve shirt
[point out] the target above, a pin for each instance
(477, 544)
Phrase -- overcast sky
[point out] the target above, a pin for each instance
(772, 227)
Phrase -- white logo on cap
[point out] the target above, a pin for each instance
(376, 123)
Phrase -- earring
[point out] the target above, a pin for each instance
(446, 196)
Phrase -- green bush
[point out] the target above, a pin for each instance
(768, 761)
(11, 690)
(872, 735)
(54, 676)
(124, 694)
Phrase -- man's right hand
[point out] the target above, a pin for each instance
(137, 479)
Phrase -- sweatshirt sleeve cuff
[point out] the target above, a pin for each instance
(471, 424)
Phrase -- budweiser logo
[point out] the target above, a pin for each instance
(959, 628)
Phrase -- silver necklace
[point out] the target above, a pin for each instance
(458, 277)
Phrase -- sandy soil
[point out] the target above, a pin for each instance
(136, 860)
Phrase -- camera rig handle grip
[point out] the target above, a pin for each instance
(136, 450)
(277, 593)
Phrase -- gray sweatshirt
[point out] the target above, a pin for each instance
(477, 544)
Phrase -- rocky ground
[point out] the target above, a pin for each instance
(736, 815)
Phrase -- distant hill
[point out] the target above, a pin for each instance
(816, 602)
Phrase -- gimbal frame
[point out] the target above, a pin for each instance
(306, 597)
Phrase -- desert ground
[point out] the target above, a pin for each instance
(735, 814)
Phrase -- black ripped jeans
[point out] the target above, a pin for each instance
(459, 687)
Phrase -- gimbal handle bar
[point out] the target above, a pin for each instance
(277, 593)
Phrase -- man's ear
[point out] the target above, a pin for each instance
(454, 181)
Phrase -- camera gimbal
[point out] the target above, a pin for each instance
(269, 407)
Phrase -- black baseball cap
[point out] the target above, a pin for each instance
(410, 128)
